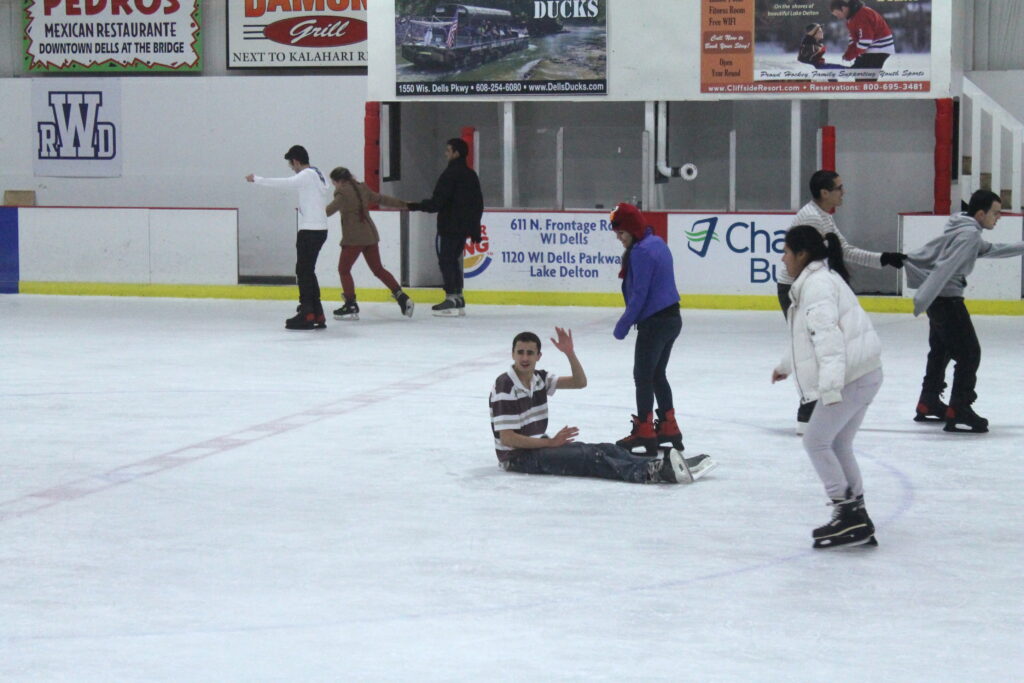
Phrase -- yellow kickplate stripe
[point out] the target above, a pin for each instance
(875, 304)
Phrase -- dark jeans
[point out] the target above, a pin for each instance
(307, 248)
(951, 336)
(601, 460)
(449, 257)
(654, 340)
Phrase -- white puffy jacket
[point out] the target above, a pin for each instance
(832, 340)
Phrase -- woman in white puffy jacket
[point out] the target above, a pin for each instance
(835, 357)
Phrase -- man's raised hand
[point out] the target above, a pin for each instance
(564, 341)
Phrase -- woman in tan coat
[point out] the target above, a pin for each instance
(359, 236)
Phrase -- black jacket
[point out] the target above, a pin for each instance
(457, 201)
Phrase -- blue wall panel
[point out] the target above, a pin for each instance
(9, 271)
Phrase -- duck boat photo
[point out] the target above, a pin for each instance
(459, 35)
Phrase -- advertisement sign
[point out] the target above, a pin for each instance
(501, 47)
(77, 127)
(544, 252)
(265, 33)
(787, 47)
(727, 253)
(111, 35)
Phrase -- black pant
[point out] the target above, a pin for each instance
(307, 248)
(951, 336)
(449, 258)
(873, 60)
(654, 340)
(601, 460)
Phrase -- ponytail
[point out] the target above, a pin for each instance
(835, 256)
(806, 238)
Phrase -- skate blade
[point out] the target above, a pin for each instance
(449, 313)
(700, 470)
(954, 428)
(408, 311)
(838, 542)
(928, 418)
(348, 316)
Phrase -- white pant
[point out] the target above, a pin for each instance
(829, 436)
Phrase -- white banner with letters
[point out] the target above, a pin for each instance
(76, 124)
(727, 253)
(544, 252)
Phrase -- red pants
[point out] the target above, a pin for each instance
(371, 253)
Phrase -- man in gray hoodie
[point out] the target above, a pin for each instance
(938, 271)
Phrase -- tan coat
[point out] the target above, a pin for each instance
(357, 231)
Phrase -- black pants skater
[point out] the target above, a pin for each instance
(307, 248)
(449, 258)
(654, 339)
(951, 336)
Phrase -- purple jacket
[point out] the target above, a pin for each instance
(650, 282)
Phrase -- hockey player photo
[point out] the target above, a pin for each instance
(850, 41)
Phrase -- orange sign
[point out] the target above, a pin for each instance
(727, 42)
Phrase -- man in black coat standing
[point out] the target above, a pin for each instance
(459, 205)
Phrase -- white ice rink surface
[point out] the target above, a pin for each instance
(190, 492)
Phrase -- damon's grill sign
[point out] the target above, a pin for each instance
(297, 33)
(316, 31)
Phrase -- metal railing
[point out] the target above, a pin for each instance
(989, 132)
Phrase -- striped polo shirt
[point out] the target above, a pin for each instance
(523, 409)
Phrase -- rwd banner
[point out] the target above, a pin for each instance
(77, 127)
(111, 35)
(544, 252)
(265, 33)
(727, 253)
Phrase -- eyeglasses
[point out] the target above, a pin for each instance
(837, 188)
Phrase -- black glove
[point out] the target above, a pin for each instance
(413, 206)
(893, 258)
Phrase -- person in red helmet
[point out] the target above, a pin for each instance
(652, 305)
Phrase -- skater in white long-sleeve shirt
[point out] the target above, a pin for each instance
(314, 195)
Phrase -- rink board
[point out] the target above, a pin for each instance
(128, 245)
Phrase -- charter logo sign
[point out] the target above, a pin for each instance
(697, 236)
(77, 126)
(727, 253)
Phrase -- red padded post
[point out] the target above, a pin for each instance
(943, 155)
(828, 148)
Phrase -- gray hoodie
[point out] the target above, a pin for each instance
(941, 267)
